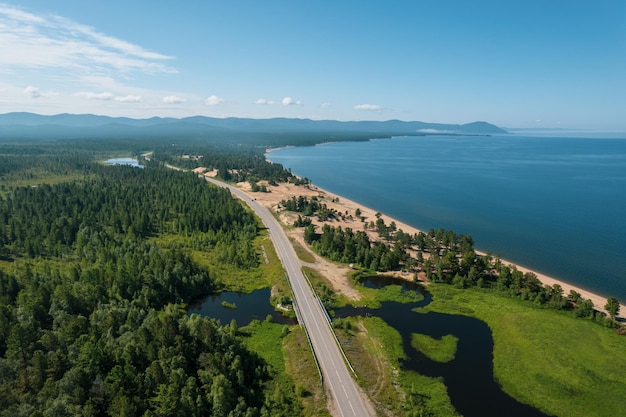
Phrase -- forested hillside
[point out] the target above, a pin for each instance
(92, 317)
(276, 131)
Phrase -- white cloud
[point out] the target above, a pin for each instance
(368, 107)
(173, 99)
(34, 92)
(94, 96)
(116, 44)
(288, 101)
(128, 99)
(45, 41)
(214, 101)
(16, 14)
(264, 102)
(325, 105)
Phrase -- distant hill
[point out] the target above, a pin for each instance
(16, 126)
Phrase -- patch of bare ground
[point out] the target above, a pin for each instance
(336, 274)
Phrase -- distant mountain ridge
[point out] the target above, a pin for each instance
(35, 126)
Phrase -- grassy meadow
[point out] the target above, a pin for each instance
(559, 364)
(564, 366)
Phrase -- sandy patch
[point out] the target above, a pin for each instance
(337, 274)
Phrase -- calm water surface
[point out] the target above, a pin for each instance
(124, 161)
(556, 205)
(253, 306)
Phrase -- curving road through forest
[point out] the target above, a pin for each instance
(345, 393)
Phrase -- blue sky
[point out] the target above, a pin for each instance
(529, 64)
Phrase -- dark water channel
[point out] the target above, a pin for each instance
(468, 377)
(253, 306)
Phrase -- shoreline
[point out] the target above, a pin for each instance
(342, 204)
(598, 300)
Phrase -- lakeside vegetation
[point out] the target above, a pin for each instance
(441, 350)
(540, 357)
(557, 363)
(441, 256)
(560, 364)
(375, 351)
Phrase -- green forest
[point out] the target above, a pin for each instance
(92, 303)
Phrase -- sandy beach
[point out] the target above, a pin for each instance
(338, 274)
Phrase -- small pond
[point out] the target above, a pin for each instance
(247, 307)
(124, 161)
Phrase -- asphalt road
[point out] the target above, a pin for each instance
(349, 402)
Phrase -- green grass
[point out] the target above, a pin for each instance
(373, 297)
(233, 278)
(228, 305)
(439, 350)
(375, 351)
(548, 359)
(291, 363)
(39, 178)
(431, 392)
(562, 365)
(265, 339)
(300, 365)
(289, 355)
(272, 271)
(303, 254)
(41, 266)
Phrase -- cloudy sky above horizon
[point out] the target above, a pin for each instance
(531, 64)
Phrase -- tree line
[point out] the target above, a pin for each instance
(242, 161)
(67, 218)
(347, 246)
(234, 163)
(441, 256)
(308, 207)
(92, 318)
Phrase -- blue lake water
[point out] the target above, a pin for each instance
(553, 204)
